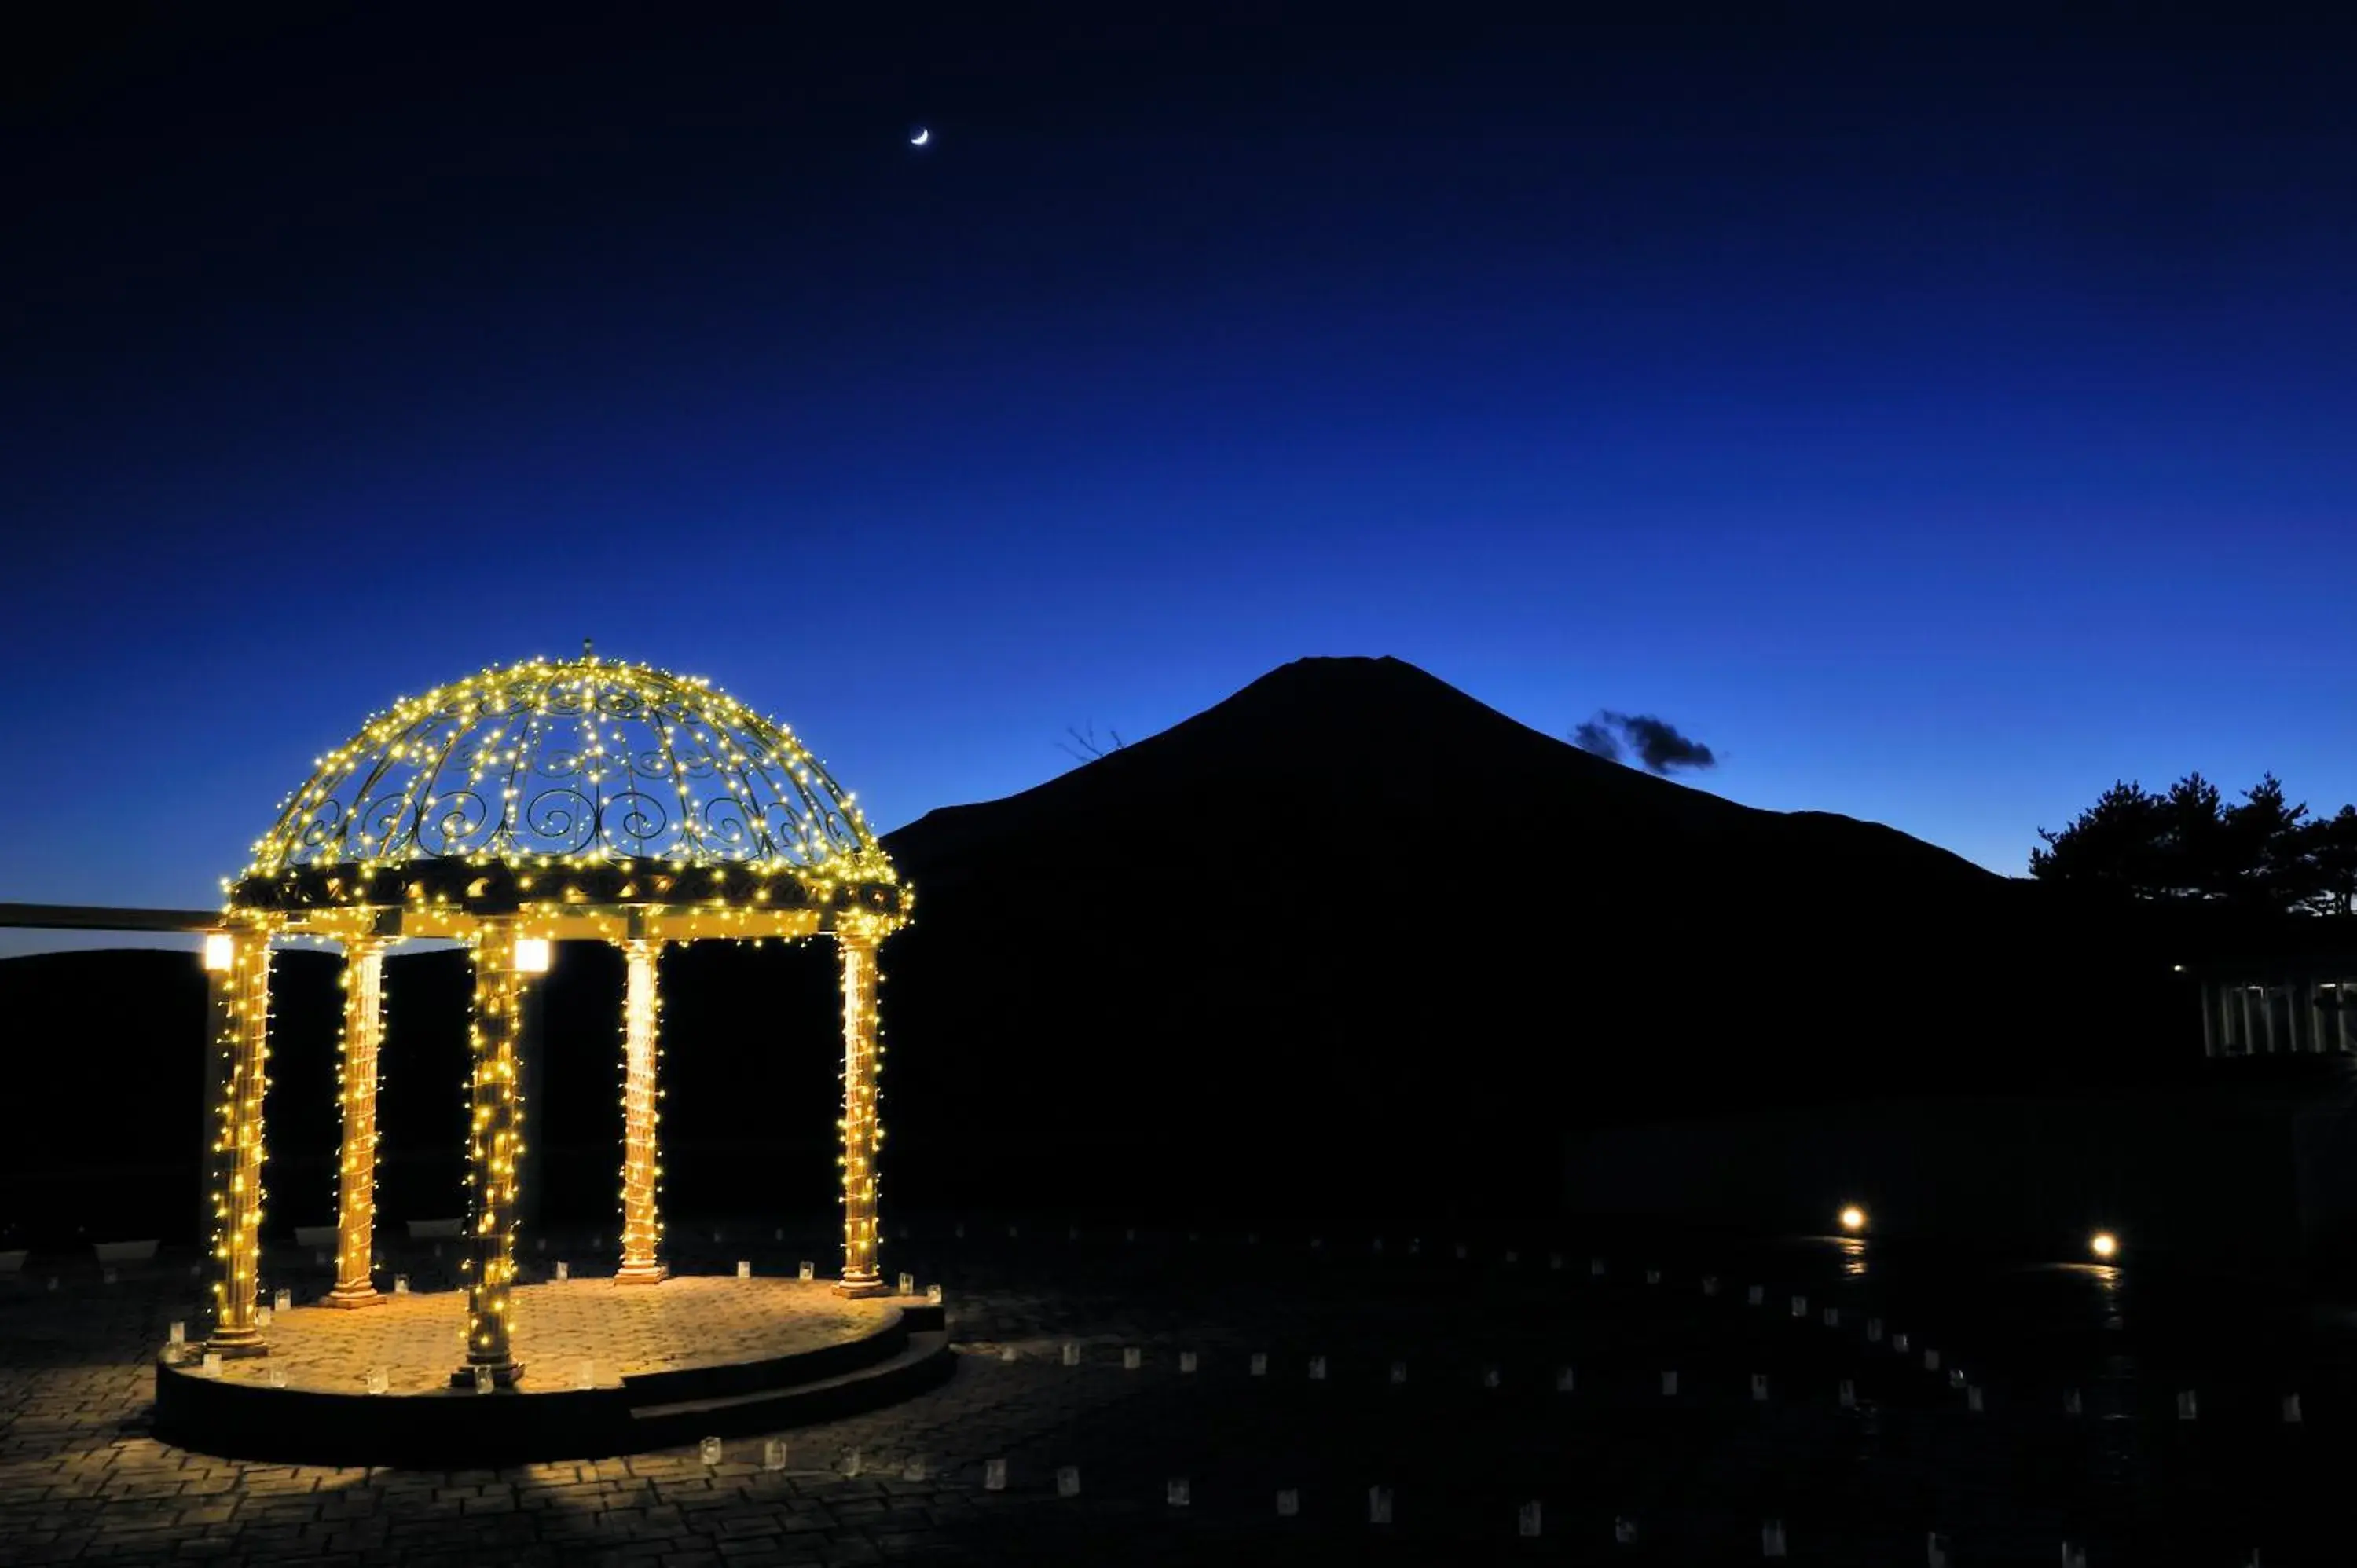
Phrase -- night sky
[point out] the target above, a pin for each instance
(1938, 424)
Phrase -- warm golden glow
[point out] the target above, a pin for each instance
(861, 1133)
(642, 1224)
(495, 1145)
(522, 806)
(356, 1172)
(242, 1044)
(2103, 1244)
(1853, 1218)
(583, 763)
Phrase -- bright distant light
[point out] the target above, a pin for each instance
(2103, 1244)
(1853, 1218)
(531, 955)
(919, 137)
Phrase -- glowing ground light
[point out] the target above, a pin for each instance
(2103, 1244)
(1853, 1218)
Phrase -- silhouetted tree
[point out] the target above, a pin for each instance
(2194, 861)
(2114, 843)
(2265, 851)
(2331, 852)
(1083, 747)
(2259, 854)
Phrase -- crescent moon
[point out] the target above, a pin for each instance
(921, 139)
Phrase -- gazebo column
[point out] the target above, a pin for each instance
(238, 970)
(860, 1275)
(494, 1143)
(356, 1170)
(641, 1227)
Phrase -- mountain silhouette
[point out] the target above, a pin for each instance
(1372, 762)
(1352, 932)
(1349, 942)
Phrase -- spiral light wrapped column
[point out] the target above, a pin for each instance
(642, 1226)
(241, 1009)
(356, 1170)
(494, 1150)
(860, 1273)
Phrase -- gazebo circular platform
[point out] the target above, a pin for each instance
(512, 811)
(616, 1372)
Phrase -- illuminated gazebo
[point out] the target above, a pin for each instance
(520, 807)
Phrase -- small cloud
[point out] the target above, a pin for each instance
(1594, 736)
(1656, 743)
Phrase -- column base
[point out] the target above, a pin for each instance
(642, 1275)
(506, 1375)
(860, 1285)
(230, 1344)
(352, 1295)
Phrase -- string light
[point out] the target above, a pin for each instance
(242, 1047)
(862, 1134)
(527, 804)
(593, 765)
(363, 984)
(641, 1229)
(495, 1148)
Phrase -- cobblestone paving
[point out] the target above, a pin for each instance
(619, 1330)
(1489, 1394)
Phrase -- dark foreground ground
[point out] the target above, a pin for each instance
(1690, 1476)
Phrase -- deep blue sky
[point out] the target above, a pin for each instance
(1940, 424)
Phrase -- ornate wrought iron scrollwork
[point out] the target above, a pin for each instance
(788, 834)
(452, 823)
(633, 824)
(558, 822)
(727, 832)
(324, 824)
(380, 823)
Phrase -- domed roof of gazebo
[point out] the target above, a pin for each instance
(576, 785)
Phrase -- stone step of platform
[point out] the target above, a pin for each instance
(724, 1381)
(799, 1355)
(923, 1361)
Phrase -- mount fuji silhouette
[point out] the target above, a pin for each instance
(1371, 768)
(1353, 935)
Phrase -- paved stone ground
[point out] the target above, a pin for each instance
(1441, 1382)
(418, 1338)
